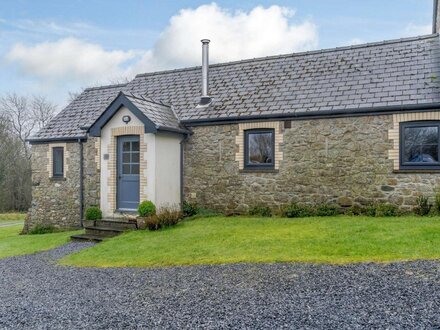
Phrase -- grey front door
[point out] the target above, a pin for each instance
(128, 173)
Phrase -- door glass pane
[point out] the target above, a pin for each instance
(135, 157)
(421, 144)
(126, 146)
(126, 157)
(126, 169)
(135, 146)
(135, 169)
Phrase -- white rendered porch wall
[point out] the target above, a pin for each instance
(168, 169)
(106, 140)
(162, 170)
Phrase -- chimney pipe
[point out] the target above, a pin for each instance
(436, 18)
(205, 99)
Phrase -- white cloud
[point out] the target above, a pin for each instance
(234, 34)
(416, 30)
(67, 59)
(354, 41)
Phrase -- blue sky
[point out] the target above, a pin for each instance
(52, 47)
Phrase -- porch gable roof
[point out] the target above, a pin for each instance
(155, 115)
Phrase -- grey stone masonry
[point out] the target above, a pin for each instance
(56, 202)
(339, 160)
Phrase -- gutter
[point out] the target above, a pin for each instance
(320, 114)
(58, 139)
(81, 182)
(173, 130)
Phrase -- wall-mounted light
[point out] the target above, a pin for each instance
(126, 119)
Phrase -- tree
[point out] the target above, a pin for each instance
(19, 117)
(26, 115)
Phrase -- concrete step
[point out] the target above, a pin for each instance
(86, 237)
(111, 223)
(103, 231)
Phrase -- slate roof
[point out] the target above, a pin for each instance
(82, 112)
(159, 113)
(390, 73)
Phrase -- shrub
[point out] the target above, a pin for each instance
(189, 209)
(386, 210)
(153, 223)
(169, 217)
(260, 210)
(297, 211)
(42, 229)
(356, 210)
(423, 207)
(93, 213)
(327, 210)
(437, 203)
(371, 210)
(147, 209)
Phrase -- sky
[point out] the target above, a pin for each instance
(51, 48)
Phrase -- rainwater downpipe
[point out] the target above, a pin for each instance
(81, 182)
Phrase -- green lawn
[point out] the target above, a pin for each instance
(231, 240)
(11, 217)
(13, 244)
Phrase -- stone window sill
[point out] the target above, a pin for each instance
(415, 171)
(57, 178)
(258, 170)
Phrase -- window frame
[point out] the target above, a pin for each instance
(417, 166)
(54, 174)
(247, 164)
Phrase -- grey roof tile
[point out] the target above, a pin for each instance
(404, 71)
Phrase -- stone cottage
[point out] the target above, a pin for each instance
(347, 125)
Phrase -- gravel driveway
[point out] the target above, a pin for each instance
(36, 293)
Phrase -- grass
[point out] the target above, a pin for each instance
(11, 217)
(221, 240)
(14, 244)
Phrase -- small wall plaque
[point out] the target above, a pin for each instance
(106, 156)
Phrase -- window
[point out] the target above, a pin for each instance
(58, 161)
(259, 149)
(130, 158)
(419, 145)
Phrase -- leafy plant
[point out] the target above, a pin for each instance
(153, 223)
(437, 203)
(356, 210)
(326, 210)
(297, 211)
(261, 210)
(146, 209)
(93, 213)
(42, 229)
(169, 216)
(423, 207)
(189, 209)
(386, 210)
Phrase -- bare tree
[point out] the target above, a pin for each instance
(42, 111)
(24, 115)
(20, 120)
(117, 80)
(20, 116)
(74, 95)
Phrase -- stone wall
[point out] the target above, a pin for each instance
(56, 202)
(341, 160)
